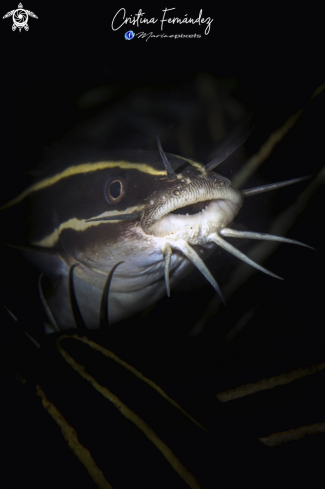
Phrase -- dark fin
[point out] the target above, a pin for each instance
(73, 301)
(103, 311)
(273, 186)
(45, 260)
(171, 175)
(53, 325)
(221, 158)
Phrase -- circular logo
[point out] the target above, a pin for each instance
(20, 18)
(129, 35)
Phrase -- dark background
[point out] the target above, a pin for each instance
(268, 60)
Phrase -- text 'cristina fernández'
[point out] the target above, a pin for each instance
(120, 19)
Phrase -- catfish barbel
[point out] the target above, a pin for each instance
(156, 215)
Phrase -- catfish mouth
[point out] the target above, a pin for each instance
(187, 205)
(196, 221)
(191, 209)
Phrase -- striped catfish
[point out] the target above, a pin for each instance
(152, 214)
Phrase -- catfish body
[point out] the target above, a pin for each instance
(127, 208)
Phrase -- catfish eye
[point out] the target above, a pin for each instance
(114, 190)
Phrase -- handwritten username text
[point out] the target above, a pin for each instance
(120, 19)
